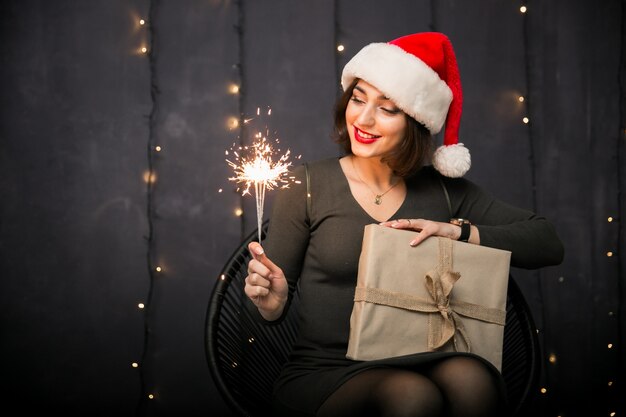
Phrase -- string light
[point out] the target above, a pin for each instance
(158, 269)
(157, 148)
(526, 120)
(561, 279)
(610, 219)
(610, 383)
(340, 48)
(232, 123)
(134, 365)
(552, 358)
(609, 254)
(149, 177)
(610, 345)
(141, 305)
(142, 22)
(543, 390)
(612, 414)
(520, 99)
(151, 396)
(144, 50)
(523, 9)
(238, 212)
(233, 89)
(220, 190)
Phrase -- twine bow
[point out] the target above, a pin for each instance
(439, 282)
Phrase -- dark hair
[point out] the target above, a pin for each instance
(407, 158)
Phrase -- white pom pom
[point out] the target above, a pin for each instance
(452, 161)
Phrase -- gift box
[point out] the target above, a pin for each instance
(441, 295)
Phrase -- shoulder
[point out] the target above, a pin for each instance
(428, 174)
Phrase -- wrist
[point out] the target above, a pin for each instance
(465, 229)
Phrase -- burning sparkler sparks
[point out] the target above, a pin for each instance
(256, 167)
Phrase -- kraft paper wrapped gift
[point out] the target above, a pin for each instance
(441, 295)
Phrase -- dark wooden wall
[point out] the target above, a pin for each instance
(83, 229)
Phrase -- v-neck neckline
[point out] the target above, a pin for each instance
(363, 210)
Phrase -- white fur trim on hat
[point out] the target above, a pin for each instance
(453, 161)
(407, 80)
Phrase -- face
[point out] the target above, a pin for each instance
(375, 124)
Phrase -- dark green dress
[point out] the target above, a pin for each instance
(319, 251)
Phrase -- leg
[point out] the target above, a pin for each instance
(385, 392)
(468, 387)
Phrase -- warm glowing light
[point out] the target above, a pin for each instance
(158, 269)
(222, 277)
(238, 212)
(610, 345)
(258, 169)
(340, 48)
(157, 148)
(149, 177)
(612, 413)
(521, 99)
(144, 49)
(526, 120)
(523, 9)
(142, 22)
(141, 305)
(610, 219)
(135, 365)
(609, 254)
(543, 390)
(220, 190)
(151, 396)
(552, 358)
(251, 339)
(233, 123)
(233, 88)
(610, 383)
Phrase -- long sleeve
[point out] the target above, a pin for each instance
(287, 236)
(532, 239)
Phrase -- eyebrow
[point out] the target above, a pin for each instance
(382, 96)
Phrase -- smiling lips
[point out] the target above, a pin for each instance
(364, 137)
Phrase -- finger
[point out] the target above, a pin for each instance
(259, 254)
(410, 224)
(254, 292)
(255, 279)
(426, 231)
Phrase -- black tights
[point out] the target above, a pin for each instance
(455, 387)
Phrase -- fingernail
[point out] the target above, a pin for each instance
(413, 243)
(258, 250)
(394, 224)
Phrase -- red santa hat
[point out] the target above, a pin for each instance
(419, 73)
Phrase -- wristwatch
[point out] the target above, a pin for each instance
(465, 228)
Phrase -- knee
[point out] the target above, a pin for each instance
(467, 385)
(408, 394)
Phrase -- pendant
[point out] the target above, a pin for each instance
(378, 200)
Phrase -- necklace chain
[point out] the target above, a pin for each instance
(378, 198)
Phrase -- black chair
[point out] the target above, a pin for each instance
(245, 357)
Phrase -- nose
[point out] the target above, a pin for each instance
(366, 117)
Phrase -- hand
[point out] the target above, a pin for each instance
(426, 228)
(266, 285)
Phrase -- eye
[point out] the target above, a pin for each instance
(356, 100)
(390, 111)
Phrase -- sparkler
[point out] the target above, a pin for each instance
(256, 167)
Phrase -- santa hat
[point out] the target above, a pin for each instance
(419, 73)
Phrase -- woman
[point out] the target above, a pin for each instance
(395, 96)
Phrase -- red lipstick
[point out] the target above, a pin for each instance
(361, 139)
